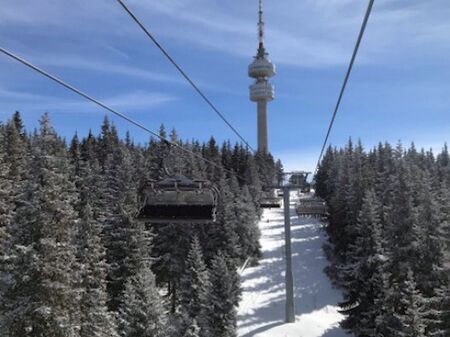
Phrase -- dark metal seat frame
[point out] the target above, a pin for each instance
(178, 200)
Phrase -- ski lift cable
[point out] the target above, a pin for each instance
(347, 75)
(183, 73)
(188, 79)
(113, 111)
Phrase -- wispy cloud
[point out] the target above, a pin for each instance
(139, 100)
(136, 101)
(310, 41)
(311, 33)
(105, 66)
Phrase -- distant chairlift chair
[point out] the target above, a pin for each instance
(178, 200)
(314, 207)
(270, 202)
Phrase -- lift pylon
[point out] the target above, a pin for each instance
(287, 185)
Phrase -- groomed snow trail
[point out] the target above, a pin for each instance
(262, 308)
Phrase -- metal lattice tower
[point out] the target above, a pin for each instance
(261, 91)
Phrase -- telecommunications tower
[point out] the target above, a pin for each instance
(261, 92)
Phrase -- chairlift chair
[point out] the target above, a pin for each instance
(178, 199)
(314, 207)
(270, 202)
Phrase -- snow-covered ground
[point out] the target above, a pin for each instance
(262, 308)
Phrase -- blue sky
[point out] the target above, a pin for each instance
(400, 87)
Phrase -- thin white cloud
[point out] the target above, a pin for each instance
(139, 100)
(92, 64)
(56, 13)
(314, 33)
(310, 33)
(136, 101)
(20, 95)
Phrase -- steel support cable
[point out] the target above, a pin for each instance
(347, 75)
(187, 78)
(183, 73)
(104, 106)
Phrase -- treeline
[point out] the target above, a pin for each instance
(74, 262)
(389, 228)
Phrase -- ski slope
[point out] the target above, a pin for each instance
(262, 308)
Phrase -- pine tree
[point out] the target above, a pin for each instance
(193, 291)
(224, 237)
(247, 227)
(16, 149)
(443, 293)
(67, 209)
(402, 223)
(116, 202)
(443, 166)
(138, 246)
(366, 260)
(88, 148)
(279, 172)
(429, 268)
(394, 269)
(141, 313)
(96, 320)
(222, 298)
(408, 316)
(75, 154)
(323, 175)
(44, 298)
(108, 212)
(171, 243)
(6, 220)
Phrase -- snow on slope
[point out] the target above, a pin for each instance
(261, 311)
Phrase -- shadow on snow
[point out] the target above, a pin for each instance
(265, 282)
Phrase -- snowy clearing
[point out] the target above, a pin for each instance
(262, 308)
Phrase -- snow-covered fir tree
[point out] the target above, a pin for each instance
(193, 291)
(142, 313)
(393, 268)
(6, 220)
(95, 319)
(44, 299)
(223, 298)
(366, 259)
(68, 233)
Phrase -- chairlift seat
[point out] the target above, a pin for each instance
(312, 207)
(178, 200)
(270, 202)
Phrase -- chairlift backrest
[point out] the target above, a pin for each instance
(270, 202)
(312, 206)
(178, 200)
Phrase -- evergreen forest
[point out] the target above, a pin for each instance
(389, 230)
(74, 262)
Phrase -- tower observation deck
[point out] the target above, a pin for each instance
(261, 91)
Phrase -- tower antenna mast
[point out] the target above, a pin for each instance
(261, 27)
(261, 91)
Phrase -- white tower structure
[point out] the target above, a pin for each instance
(261, 92)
